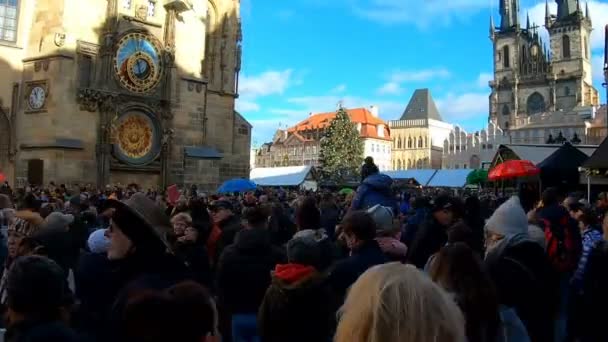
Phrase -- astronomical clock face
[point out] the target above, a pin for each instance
(534, 50)
(136, 139)
(137, 62)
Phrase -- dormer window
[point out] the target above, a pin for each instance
(380, 131)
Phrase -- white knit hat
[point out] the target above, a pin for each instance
(98, 242)
(509, 219)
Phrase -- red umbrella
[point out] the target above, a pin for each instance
(2, 177)
(513, 169)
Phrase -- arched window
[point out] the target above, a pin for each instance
(419, 164)
(399, 142)
(399, 164)
(567, 91)
(506, 57)
(409, 142)
(565, 46)
(586, 47)
(506, 110)
(419, 142)
(426, 142)
(536, 103)
(409, 163)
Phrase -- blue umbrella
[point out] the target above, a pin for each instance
(237, 185)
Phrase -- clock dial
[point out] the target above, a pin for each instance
(138, 63)
(534, 50)
(37, 98)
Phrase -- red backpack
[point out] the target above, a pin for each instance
(564, 243)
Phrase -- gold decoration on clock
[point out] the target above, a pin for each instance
(135, 136)
(138, 63)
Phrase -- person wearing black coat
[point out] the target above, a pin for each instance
(359, 231)
(433, 234)
(298, 305)
(243, 273)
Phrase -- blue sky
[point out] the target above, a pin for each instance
(302, 56)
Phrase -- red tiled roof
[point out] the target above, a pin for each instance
(357, 115)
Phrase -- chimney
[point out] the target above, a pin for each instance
(374, 111)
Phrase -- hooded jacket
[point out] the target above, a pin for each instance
(243, 273)
(375, 189)
(297, 307)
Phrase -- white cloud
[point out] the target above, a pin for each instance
(455, 108)
(340, 88)
(397, 78)
(599, 18)
(483, 79)
(391, 88)
(420, 13)
(267, 83)
(244, 106)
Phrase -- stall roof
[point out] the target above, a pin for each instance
(538, 153)
(599, 159)
(421, 176)
(450, 178)
(280, 176)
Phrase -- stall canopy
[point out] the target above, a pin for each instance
(599, 158)
(282, 176)
(450, 178)
(562, 166)
(534, 153)
(420, 176)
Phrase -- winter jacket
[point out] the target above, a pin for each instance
(229, 229)
(31, 331)
(347, 271)
(243, 273)
(297, 307)
(591, 236)
(429, 239)
(413, 226)
(526, 282)
(594, 295)
(375, 189)
(511, 328)
(195, 256)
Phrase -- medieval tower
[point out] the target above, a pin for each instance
(534, 79)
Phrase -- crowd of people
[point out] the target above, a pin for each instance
(378, 265)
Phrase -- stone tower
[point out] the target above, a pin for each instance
(531, 79)
(122, 91)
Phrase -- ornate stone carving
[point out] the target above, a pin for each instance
(37, 66)
(92, 100)
(60, 39)
(141, 13)
(45, 64)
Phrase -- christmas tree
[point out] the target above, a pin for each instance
(341, 151)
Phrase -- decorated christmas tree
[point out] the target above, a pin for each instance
(341, 151)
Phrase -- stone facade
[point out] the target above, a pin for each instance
(123, 91)
(464, 150)
(532, 83)
(419, 134)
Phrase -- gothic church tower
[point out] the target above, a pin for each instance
(530, 78)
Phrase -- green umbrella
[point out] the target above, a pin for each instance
(346, 191)
(477, 176)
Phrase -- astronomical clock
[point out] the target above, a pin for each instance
(138, 68)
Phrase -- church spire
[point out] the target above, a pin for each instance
(547, 14)
(566, 7)
(528, 21)
(492, 27)
(587, 14)
(509, 10)
(579, 9)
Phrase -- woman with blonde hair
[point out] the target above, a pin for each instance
(395, 303)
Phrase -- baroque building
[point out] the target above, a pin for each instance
(419, 134)
(540, 91)
(121, 91)
(301, 144)
(476, 150)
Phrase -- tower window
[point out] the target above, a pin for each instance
(8, 20)
(505, 110)
(566, 46)
(586, 47)
(536, 103)
(567, 91)
(506, 57)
